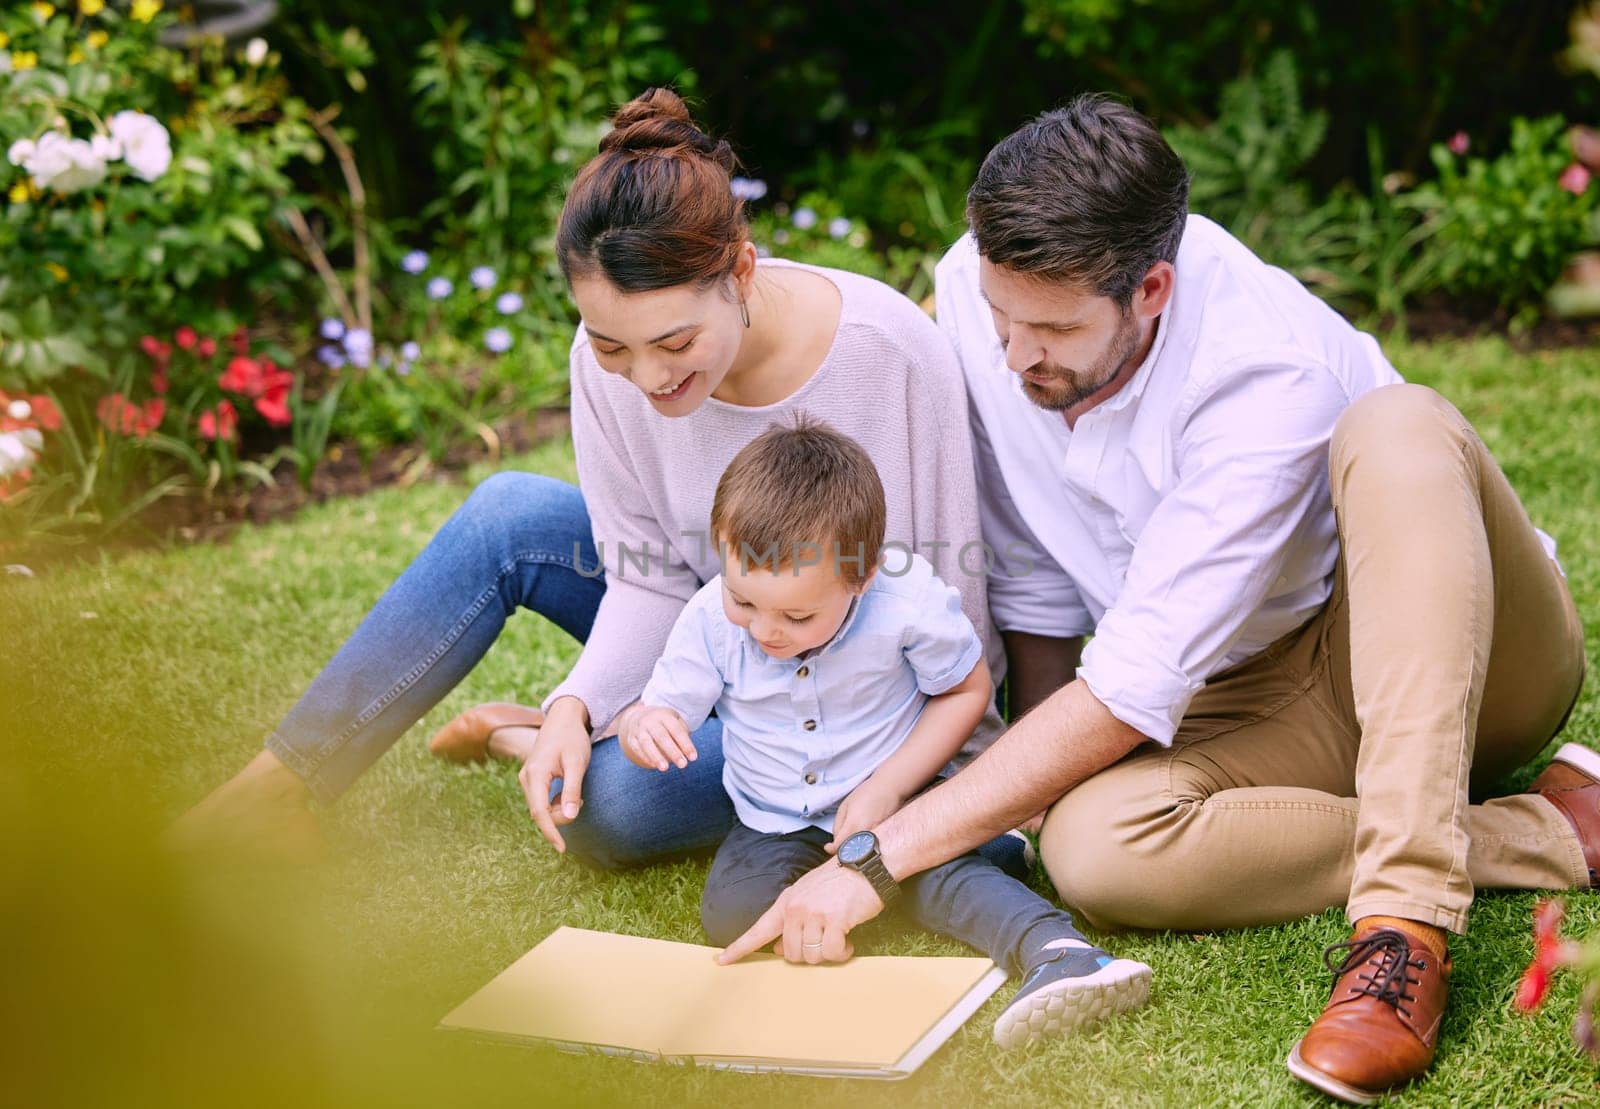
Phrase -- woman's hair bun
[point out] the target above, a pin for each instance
(659, 120)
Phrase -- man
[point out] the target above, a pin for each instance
(1319, 611)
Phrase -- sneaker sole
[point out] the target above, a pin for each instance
(1328, 1084)
(1071, 1003)
(1580, 758)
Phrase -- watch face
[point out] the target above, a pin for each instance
(857, 848)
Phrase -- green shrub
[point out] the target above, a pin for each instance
(1506, 226)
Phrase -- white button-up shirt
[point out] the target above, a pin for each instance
(799, 734)
(1185, 521)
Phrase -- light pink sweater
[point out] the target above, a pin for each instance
(891, 381)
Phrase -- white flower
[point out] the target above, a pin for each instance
(332, 328)
(497, 339)
(415, 261)
(440, 287)
(747, 188)
(106, 148)
(805, 218)
(65, 164)
(838, 227)
(146, 145)
(18, 449)
(19, 409)
(482, 277)
(255, 51)
(20, 152)
(410, 351)
(507, 303)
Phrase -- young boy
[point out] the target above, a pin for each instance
(842, 692)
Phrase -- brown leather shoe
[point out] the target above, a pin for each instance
(1574, 767)
(466, 738)
(1381, 1025)
(1572, 784)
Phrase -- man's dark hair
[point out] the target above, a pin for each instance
(1089, 194)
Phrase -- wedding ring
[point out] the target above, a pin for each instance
(809, 946)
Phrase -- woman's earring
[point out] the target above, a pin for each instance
(744, 311)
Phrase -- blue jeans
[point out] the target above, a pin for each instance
(968, 898)
(512, 544)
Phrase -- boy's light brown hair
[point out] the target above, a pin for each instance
(802, 494)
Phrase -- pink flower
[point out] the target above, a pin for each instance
(186, 337)
(1575, 179)
(1459, 143)
(158, 351)
(207, 347)
(150, 416)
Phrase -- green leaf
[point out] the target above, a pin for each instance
(243, 230)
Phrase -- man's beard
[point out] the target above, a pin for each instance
(1069, 388)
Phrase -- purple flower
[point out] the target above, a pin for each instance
(747, 188)
(805, 218)
(410, 351)
(440, 287)
(1459, 143)
(331, 357)
(497, 339)
(332, 328)
(508, 303)
(358, 344)
(838, 227)
(415, 261)
(482, 277)
(780, 236)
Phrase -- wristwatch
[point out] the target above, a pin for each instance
(860, 853)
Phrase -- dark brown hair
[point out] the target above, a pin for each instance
(800, 485)
(654, 208)
(1089, 194)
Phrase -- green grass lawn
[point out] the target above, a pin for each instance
(133, 684)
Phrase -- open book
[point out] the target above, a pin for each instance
(872, 1017)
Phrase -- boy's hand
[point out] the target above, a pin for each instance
(868, 805)
(651, 737)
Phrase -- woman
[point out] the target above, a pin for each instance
(689, 348)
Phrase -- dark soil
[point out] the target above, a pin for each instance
(343, 473)
(1445, 320)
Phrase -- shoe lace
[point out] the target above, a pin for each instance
(1387, 953)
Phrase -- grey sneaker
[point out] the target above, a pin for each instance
(1075, 986)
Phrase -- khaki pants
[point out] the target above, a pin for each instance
(1334, 767)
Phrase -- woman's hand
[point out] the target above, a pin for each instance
(562, 751)
(651, 737)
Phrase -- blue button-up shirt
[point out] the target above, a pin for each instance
(799, 734)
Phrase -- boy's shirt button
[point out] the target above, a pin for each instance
(803, 672)
(810, 725)
(811, 779)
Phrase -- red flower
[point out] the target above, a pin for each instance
(207, 347)
(150, 416)
(124, 417)
(242, 376)
(240, 340)
(1548, 954)
(1459, 143)
(1575, 179)
(274, 406)
(223, 423)
(158, 351)
(117, 413)
(46, 413)
(158, 380)
(186, 337)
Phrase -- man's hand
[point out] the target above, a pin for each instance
(868, 805)
(812, 919)
(652, 736)
(562, 751)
